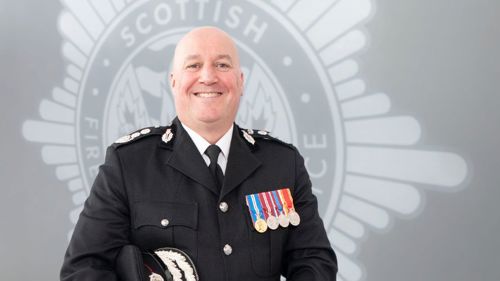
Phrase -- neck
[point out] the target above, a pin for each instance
(210, 132)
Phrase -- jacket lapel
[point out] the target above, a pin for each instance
(186, 159)
(241, 163)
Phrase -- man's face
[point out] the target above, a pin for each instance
(206, 80)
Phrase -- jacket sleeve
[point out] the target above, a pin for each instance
(102, 228)
(308, 253)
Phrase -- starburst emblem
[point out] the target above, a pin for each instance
(366, 163)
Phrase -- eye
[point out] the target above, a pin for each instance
(223, 66)
(193, 66)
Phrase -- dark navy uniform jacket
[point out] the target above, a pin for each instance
(147, 180)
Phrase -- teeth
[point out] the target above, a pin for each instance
(208, 95)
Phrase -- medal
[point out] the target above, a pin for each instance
(260, 225)
(293, 216)
(272, 209)
(256, 212)
(282, 218)
(271, 221)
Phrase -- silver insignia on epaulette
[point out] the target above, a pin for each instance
(262, 132)
(248, 137)
(123, 139)
(145, 131)
(167, 136)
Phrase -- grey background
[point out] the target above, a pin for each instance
(438, 61)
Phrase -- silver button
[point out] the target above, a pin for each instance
(164, 222)
(228, 249)
(223, 206)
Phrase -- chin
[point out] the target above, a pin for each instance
(209, 120)
(208, 116)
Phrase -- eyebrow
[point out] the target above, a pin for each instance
(223, 56)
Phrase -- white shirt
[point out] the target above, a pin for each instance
(201, 144)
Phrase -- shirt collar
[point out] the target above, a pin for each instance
(201, 144)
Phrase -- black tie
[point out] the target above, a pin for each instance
(213, 153)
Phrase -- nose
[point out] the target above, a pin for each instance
(208, 75)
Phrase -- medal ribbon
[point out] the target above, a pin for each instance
(268, 197)
(266, 207)
(257, 205)
(251, 208)
(282, 201)
(288, 198)
(277, 201)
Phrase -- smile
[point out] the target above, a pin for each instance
(208, 94)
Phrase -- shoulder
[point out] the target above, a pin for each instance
(259, 138)
(141, 135)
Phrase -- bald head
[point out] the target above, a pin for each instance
(205, 37)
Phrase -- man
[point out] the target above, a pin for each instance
(154, 189)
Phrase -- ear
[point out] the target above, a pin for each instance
(242, 80)
(172, 80)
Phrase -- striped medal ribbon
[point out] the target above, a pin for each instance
(256, 213)
(282, 218)
(271, 220)
(293, 216)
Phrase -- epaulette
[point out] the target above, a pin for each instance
(250, 135)
(139, 134)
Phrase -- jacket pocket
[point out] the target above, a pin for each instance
(166, 224)
(266, 250)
